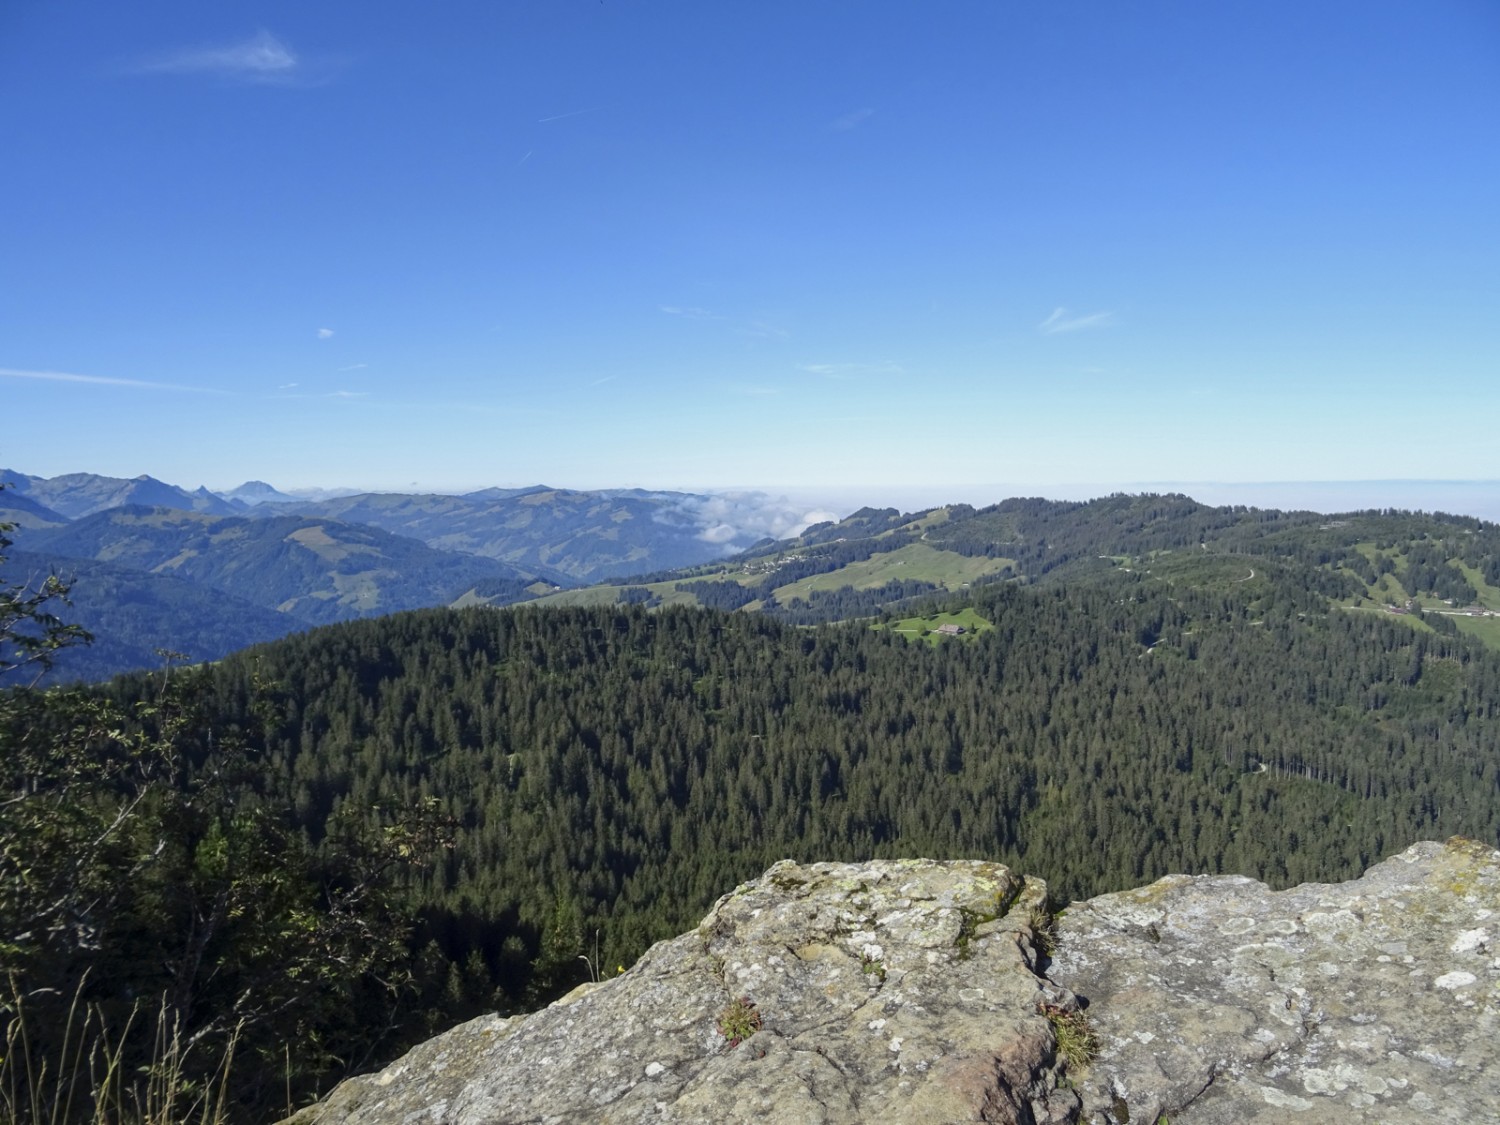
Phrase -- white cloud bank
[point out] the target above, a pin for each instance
(734, 520)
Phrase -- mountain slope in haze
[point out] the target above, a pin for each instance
(134, 616)
(23, 511)
(583, 535)
(313, 570)
(563, 535)
(82, 494)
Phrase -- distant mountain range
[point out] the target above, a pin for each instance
(82, 494)
(199, 571)
(205, 573)
(581, 535)
(568, 535)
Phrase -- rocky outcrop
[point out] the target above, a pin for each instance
(1216, 1001)
(889, 991)
(919, 991)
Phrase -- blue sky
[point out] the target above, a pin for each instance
(851, 248)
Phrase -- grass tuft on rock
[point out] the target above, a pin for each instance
(1077, 1044)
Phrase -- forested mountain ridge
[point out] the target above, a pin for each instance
(873, 561)
(882, 559)
(612, 770)
(136, 617)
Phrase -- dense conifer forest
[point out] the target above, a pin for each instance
(350, 837)
(631, 766)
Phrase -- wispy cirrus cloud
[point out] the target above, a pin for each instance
(851, 370)
(689, 313)
(104, 381)
(287, 391)
(570, 113)
(758, 328)
(852, 120)
(352, 367)
(325, 333)
(262, 59)
(1063, 321)
(764, 331)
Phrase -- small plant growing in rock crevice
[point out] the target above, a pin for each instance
(1076, 1042)
(1043, 924)
(739, 1020)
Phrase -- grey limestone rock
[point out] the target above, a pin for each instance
(1218, 1001)
(898, 991)
(917, 992)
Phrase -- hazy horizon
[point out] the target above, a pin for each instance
(1479, 498)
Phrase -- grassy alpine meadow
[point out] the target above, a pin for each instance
(1489, 596)
(926, 628)
(1484, 629)
(916, 561)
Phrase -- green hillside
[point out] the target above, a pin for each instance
(1447, 566)
(915, 562)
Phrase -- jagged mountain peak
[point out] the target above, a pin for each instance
(254, 492)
